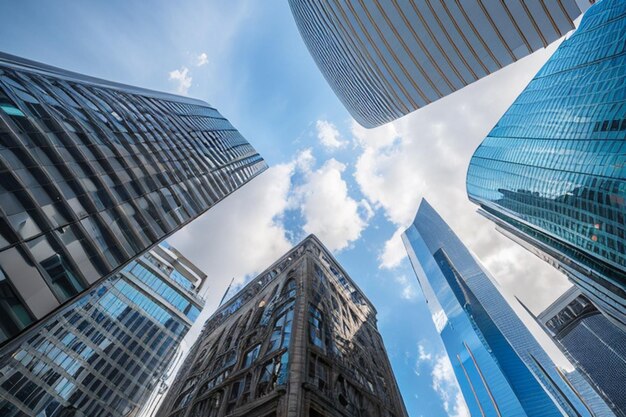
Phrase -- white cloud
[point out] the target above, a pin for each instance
(445, 384)
(202, 59)
(408, 289)
(328, 209)
(423, 356)
(182, 78)
(242, 234)
(328, 135)
(426, 154)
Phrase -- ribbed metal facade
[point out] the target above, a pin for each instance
(107, 351)
(553, 170)
(501, 368)
(594, 345)
(92, 174)
(299, 340)
(386, 58)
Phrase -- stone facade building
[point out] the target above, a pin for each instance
(298, 340)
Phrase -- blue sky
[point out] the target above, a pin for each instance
(355, 188)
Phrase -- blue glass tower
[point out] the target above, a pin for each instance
(108, 352)
(501, 368)
(552, 172)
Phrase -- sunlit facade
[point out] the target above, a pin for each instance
(593, 344)
(299, 340)
(92, 174)
(552, 172)
(501, 368)
(387, 58)
(106, 352)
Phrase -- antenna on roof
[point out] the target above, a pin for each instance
(226, 292)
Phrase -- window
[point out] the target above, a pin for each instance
(281, 335)
(251, 356)
(63, 281)
(273, 373)
(316, 332)
(13, 314)
(318, 373)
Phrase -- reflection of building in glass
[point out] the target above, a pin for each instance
(501, 368)
(595, 345)
(93, 173)
(299, 340)
(386, 58)
(552, 173)
(105, 352)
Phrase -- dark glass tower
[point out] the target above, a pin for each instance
(300, 340)
(501, 368)
(106, 352)
(552, 172)
(387, 58)
(594, 345)
(92, 174)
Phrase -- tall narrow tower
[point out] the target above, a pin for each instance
(298, 340)
(501, 368)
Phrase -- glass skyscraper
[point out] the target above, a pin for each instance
(594, 345)
(299, 340)
(386, 58)
(552, 172)
(107, 351)
(501, 368)
(92, 174)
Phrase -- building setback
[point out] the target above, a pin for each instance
(592, 343)
(387, 58)
(94, 173)
(501, 368)
(107, 351)
(552, 173)
(298, 340)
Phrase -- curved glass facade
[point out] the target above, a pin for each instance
(386, 58)
(93, 173)
(501, 368)
(554, 167)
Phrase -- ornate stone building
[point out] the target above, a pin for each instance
(298, 340)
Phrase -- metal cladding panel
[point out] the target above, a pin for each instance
(554, 166)
(94, 173)
(385, 59)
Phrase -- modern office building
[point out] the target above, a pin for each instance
(299, 340)
(104, 353)
(552, 173)
(501, 368)
(592, 343)
(387, 58)
(94, 173)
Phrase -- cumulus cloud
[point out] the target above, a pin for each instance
(445, 384)
(202, 59)
(328, 135)
(242, 234)
(422, 354)
(328, 209)
(426, 154)
(182, 79)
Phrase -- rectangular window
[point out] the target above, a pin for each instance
(14, 315)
